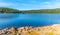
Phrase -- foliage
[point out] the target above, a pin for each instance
(9, 10)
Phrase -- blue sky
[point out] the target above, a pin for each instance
(30, 4)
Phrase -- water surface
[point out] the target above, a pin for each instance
(18, 20)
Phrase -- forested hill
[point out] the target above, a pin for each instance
(44, 11)
(9, 10)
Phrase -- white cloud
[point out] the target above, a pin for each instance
(55, 4)
(43, 5)
(3, 4)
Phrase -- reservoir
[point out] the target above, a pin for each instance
(20, 20)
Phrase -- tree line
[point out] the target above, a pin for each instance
(8, 10)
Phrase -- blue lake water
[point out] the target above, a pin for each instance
(18, 20)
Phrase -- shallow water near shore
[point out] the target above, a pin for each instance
(19, 20)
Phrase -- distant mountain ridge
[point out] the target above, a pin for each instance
(10, 10)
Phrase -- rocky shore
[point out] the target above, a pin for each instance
(45, 30)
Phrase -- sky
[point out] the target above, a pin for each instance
(30, 4)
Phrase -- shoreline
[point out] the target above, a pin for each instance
(29, 30)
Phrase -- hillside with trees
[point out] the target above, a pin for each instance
(9, 10)
(44, 11)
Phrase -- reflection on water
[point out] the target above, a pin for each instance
(8, 16)
(18, 20)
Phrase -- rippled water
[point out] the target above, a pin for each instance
(18, 20)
